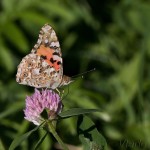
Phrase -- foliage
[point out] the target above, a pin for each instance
(111, 36)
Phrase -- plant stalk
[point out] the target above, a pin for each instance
(51, 129)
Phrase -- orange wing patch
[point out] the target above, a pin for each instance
(47, 54)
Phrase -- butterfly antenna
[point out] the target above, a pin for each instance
(81, 74)
(76, 76)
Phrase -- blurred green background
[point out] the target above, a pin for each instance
(111, 36)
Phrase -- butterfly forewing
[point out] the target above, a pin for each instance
(42, 68)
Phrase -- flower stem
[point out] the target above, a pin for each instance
(57, 137)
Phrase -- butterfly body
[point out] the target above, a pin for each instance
(43, 67)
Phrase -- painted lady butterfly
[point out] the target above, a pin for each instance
(43, 67)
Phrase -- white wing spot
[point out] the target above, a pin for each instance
(46, 41)
(53, 44)
(57, 58)
(36, 71)
(39, 41)
(44, 64)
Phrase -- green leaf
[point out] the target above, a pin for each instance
(34, 17)
(15, 36)
(47, 143)
(16, 142)
(1, 145)
(89, 135)
(76, 111)
(8, 5)
(63, 12)
(6, 57)
(40, 141)
(14, 108)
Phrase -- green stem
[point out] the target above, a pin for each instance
(57, 137)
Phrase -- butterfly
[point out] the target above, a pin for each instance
(43, 66)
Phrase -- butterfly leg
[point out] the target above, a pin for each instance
(58, 91)
(66, 93)
(61, 93)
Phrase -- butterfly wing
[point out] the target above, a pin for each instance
(43, 66)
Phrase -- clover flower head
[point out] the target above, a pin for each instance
(40, 101)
